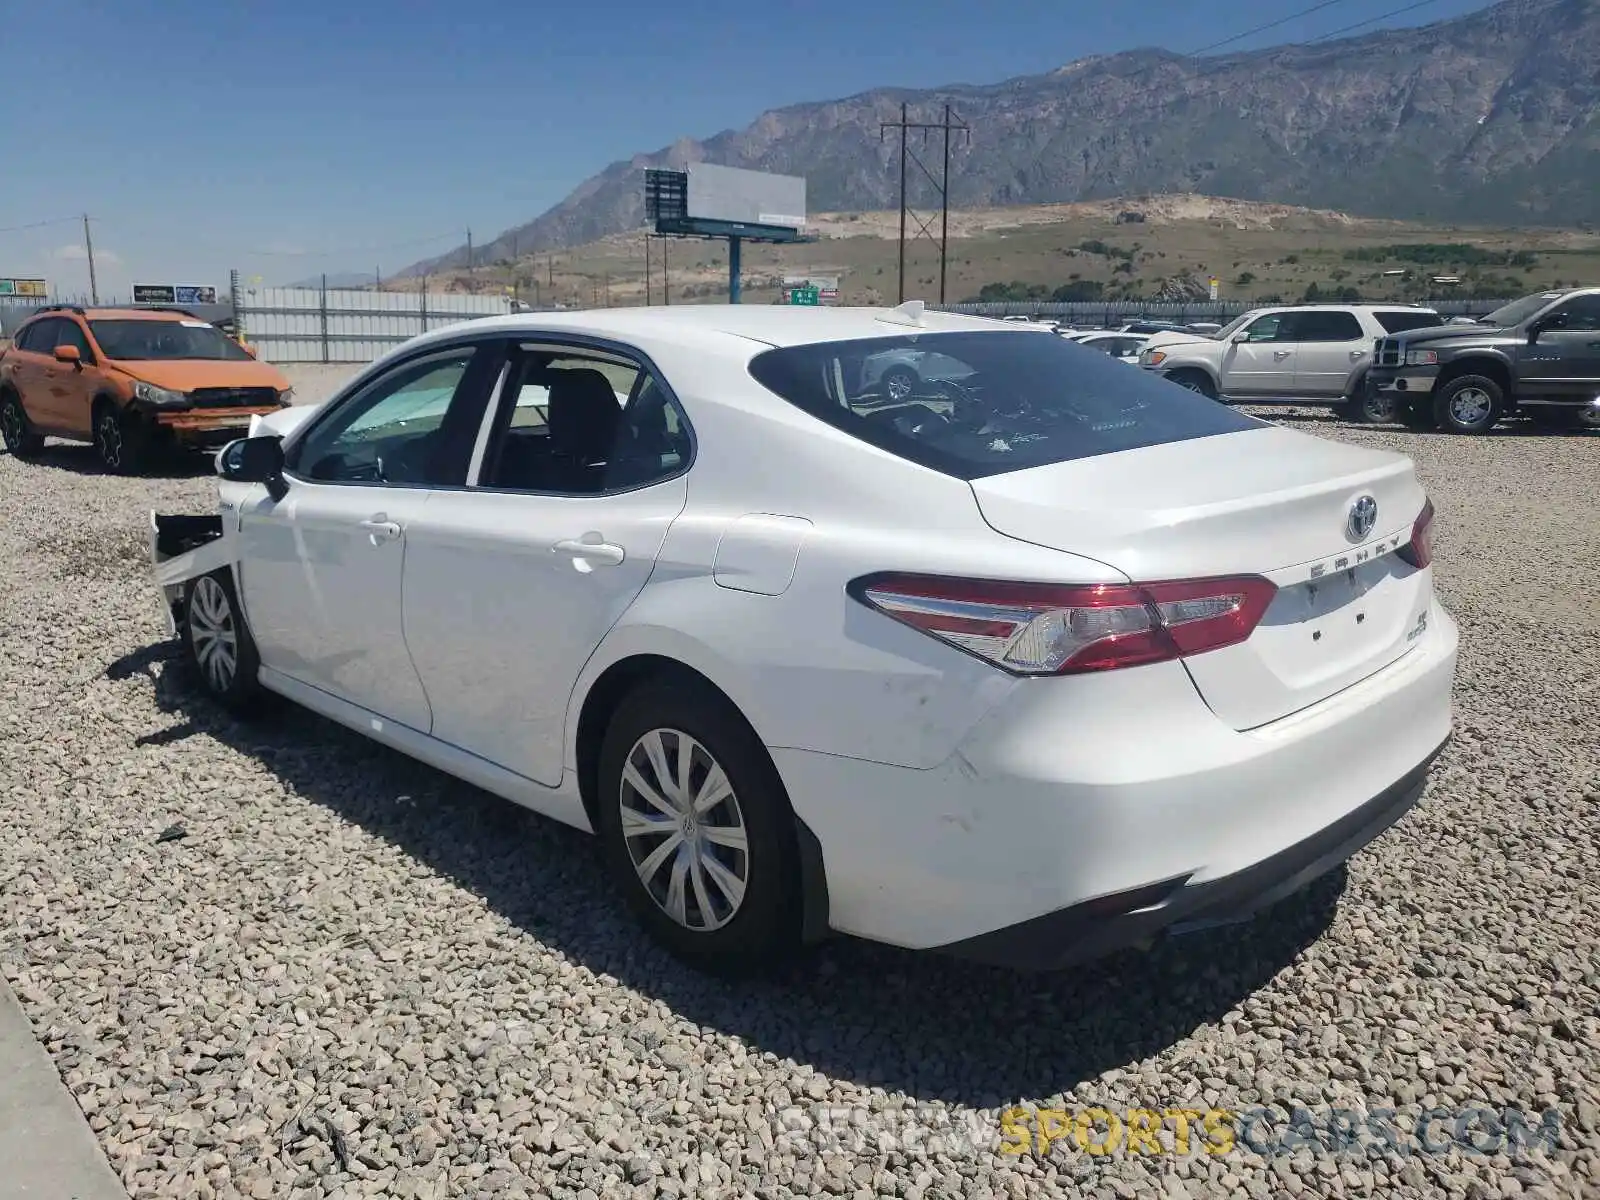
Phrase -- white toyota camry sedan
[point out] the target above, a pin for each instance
(1036, 659)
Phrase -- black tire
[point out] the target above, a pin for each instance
(1368, 406)
(760, 930)
(1195, 381)
(1468, 404)
(121, 440)
(211, 607)
(900, 383)
(20, 439)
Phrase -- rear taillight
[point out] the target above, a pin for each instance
(1049, 629)
(1419, 551)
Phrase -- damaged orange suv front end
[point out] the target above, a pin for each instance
(131, 381)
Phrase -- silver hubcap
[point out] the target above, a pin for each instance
(211, 629)
(1469, 405)
(110, 440)
(898, 387)
(684, 830)
(1191, 385)
(11, 424)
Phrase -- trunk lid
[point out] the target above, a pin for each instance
(1261, 502)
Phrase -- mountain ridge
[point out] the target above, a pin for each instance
(1487, 117)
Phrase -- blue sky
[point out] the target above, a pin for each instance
(296, 137)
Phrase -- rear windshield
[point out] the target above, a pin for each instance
(1399, 322)
(154, 340)
(984, 403)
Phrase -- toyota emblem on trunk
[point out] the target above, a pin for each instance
(1363, 516)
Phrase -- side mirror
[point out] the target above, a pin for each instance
(1535, 328)
(69, 354)
(1240, 338)
(254, 460)
(249, 349)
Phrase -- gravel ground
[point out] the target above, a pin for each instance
(354, 976)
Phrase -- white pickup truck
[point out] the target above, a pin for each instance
(1296, 354)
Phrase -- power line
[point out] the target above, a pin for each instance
(1249, 33)
(40, 224)
(1394, 12)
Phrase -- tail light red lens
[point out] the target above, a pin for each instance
(1419, 552)
(1049, 629)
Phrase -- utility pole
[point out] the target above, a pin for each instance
(941, 184)
(377, 279)
(469, 252)
(666, 280)
(647, 270)
(88, 249)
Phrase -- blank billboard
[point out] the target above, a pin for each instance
(748, 197)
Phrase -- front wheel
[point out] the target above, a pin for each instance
(697, 829)
(120, 440)
(217, 646)
(18, 433)
(1195, 381)
(1468, 404)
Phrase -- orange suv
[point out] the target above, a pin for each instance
(131, 381)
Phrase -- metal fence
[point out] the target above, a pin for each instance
(1103, 313)
(307, 325)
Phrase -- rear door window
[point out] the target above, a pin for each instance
(1004, 401)
(1399, 322)
(1325, 327)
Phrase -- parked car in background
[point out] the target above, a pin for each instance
(1301, 354)
(1537, 357)
(806, 661)
(131, 381)
(900, 374)
(1122, 346)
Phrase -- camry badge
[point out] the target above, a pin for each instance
(1363, 516)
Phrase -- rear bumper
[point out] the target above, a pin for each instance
(1097, 927)
(1073, 793)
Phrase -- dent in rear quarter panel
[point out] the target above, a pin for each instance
(808, 667)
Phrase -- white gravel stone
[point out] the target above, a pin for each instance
(356, 977)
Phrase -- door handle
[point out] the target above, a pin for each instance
(1355, 354)
(380, 529)
(1281, 354)
(586, 553)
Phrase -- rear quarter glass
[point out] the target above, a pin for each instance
(1010, 401)
(1399, 322)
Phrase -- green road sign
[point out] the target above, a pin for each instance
(805, 295)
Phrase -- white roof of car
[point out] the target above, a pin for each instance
(768, 324)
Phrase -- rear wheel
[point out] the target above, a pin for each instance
(1369, 406)
(121, 440)
(1468, 404)
(16, 430)
(217, 645)
(697, 829)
